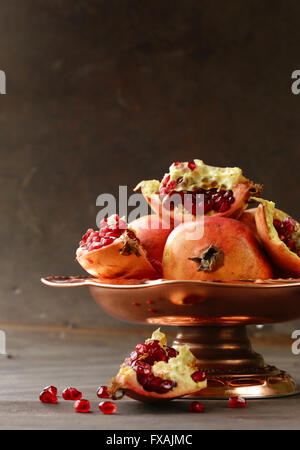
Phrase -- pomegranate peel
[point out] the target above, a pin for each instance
(152, 234)
(226, 251)
(226, 191)
(114, 252)
(150, 375)
(283, 246)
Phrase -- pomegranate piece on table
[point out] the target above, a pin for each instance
(102, 392)
(154, 370)
(227, 250)
(82, 406)
(225, 190)
(114, 252)
(108, 407)
(71, 393)
(280, 236)
(237, 402)
(49, 395)
(197, 407)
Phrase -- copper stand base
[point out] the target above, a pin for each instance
(232, 366)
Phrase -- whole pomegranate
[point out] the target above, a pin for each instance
(152, 234)
(114, 252)
(226, 251)
(154, 370)
(225, 191)
(280, 235)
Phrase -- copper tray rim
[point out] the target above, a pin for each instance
(78, 281)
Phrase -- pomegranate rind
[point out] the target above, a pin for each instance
(226, 178)
(123, 259)
(278, 251)
(237, 253)
(152, 235)
(178, 369)
(248, 218)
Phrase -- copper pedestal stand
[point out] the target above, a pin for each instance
(212, 319)
(232, 366)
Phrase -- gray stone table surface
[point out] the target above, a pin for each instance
(88, 358)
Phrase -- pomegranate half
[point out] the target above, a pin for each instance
(154, 370)
(280, 235)
(227, 251)
(225, 190)
(114, 252)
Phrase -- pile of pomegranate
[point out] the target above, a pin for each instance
(237, 243)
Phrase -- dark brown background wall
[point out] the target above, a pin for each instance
(106, 93)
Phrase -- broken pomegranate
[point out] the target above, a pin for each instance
(225, 192)
(280, 236)
(154, 370)
(226, 251)
(102, 392)
(113, 252)
(237, 402)
(152, 234)
(82, 406)
(197, 407)
(108, 407)
(71, 393)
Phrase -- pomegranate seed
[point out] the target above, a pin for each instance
(51, 389)
(277, 224)
(102, 392)
(291, 244)
(151, 310)
(197, 407)
(192, 166)
(141, 348)
(107, 407)
(48, 397)
(237, 402)
(71, 393)
(198, 376)
(159, 355)
(165, 386)
(149, 302)
(153, 384)
(289, 224)
(141, 367)
(82, 406)
(152, 344)
(136, 304)
(171, 352)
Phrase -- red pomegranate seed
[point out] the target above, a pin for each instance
(141, 367)
(154, 343)
(82, 406)
(237, 402)
(48, 397)
(277, 224)
(136, 304)
(165, 386)
(171, 352)
(159, 355)
(291, 244)
(107, 407)
(102, 392)
(71, 393)
(151, 310)
(149, 302)
(51, 389)
(197, 407)
(141, 348)
(192, 166)
(198, 376)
